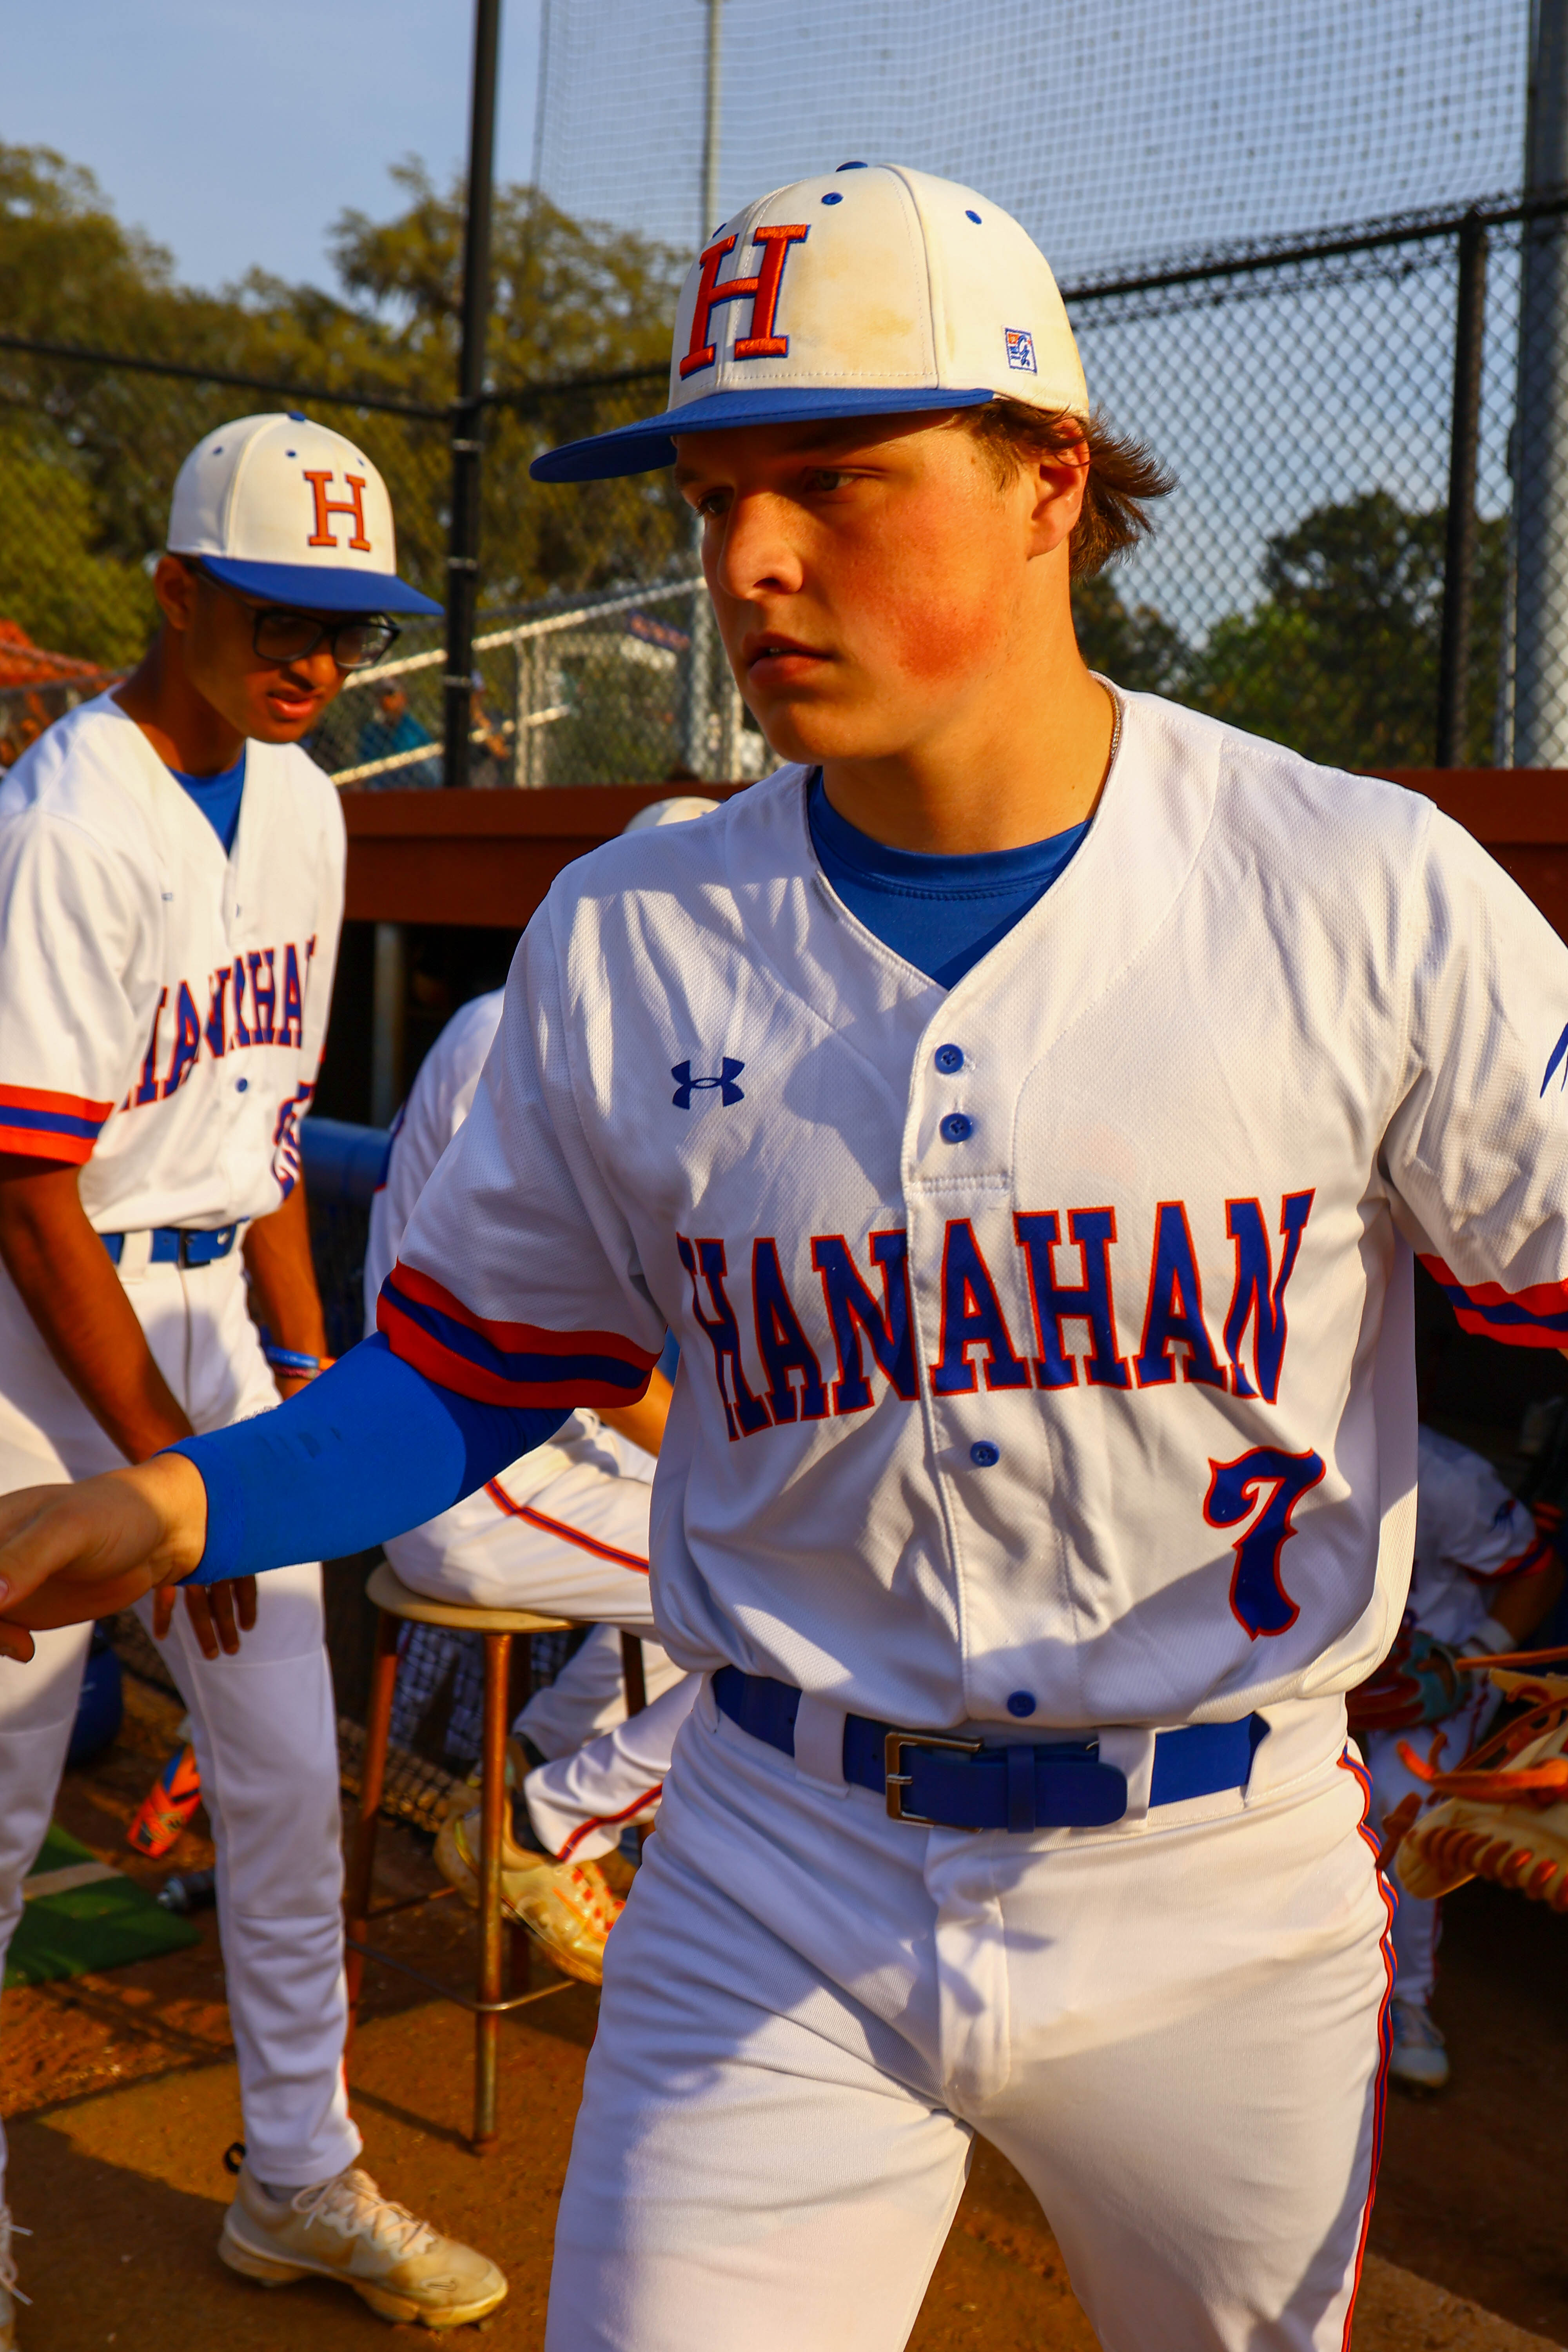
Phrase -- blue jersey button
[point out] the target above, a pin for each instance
(1021, 1703)
(957, 1128)
(240, 1085)
(984, 1456)
(948, 1058)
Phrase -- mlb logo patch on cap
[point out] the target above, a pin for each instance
(280, 508)
(872, 291)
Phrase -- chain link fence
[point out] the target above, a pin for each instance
(1306, 396)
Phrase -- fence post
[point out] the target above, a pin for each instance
(1540, 472)
(463, 545)
(1464, 442)
(704, 655)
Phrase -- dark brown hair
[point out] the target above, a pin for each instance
(1123, 476)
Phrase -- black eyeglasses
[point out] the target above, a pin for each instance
(281, 635)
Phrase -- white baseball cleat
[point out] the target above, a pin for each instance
(10, 2293)
(1419, 2060)
(345, 2229)
(567, 1907)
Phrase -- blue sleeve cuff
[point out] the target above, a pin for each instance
(369, 1450)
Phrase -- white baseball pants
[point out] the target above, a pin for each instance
(580, 1802)
(1174, 2028)
(1419, 1922)
(264, 1728)
(575, 1546)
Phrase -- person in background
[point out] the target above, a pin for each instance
(390, 730)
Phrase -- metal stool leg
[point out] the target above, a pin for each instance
(372, 1780)
(493, 1817)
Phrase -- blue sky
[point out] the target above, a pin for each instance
(235, 134)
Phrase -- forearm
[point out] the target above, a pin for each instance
(367, 1451)
(67, 1283)
(282, 1277)
(643, 1422)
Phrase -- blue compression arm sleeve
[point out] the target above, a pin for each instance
(369, 1450)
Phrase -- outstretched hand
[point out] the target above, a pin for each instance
(69, 1554)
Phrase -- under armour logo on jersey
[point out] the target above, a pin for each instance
(686, 1086)
(1558, 1054)
(761, 291)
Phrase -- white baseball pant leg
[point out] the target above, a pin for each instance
(1418, 1921)
(575, 1546)
(263, 1727)
(1176, 2030)
(580, 1803)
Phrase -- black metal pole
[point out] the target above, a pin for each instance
(463, 549)
(1459, 558)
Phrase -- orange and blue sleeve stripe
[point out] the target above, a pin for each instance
(47, 1126)
(506, 1363)
(1535, 1318)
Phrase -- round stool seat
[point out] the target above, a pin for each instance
(385, 1590)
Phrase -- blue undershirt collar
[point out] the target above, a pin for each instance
(218, 797)
(940, 914)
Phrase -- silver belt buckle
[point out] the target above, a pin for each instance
(899, 1780)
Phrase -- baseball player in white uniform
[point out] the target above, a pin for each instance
(563, 1530)
(1024, 1108)
(1484, 1578)
(171, 891)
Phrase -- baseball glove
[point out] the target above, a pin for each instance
(1415, 1684)
(1503, 1814)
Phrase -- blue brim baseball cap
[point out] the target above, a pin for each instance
(319, 590)
(286, 510)
(873, 291)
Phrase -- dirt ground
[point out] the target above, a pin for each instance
(120, 2098)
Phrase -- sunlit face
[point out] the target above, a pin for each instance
(267, 701)
(868, 577)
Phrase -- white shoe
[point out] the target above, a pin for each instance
(1419, 2060)
(345, 2229)
(568, 1907)
(10, 2293)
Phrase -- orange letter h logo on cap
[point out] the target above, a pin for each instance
(326, 508)
(763, 290)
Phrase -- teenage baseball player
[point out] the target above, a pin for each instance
(563, 1530)
(1024, 1108)
(171, 890)
(1485, 1578)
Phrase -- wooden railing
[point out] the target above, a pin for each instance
(481, 857)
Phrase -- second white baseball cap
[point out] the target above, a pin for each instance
(282, 508)
(873, 291)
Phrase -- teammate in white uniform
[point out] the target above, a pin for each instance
(1484, 1578)
(171, 891)
(1024, 1108)
(563, 1530)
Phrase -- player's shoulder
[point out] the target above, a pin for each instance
(459, 1052)
(678, 873)
(90, 770)
(1292, 806)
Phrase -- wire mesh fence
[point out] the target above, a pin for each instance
(1304, 394)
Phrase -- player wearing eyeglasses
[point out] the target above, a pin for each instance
(171, 892)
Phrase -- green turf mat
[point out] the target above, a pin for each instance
(103, 1924)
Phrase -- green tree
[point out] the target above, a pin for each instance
(89, 453)
(1136, 648)
(1339, 659)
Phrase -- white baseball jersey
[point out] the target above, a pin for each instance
(1045, 1341)
(1469, 1531)
(438, 1102)
(165, 1003)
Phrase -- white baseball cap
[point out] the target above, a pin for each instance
(281, 508)
(873, 291)
(681, 808)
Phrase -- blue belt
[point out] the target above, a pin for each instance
(174, 1245)
(945, 1783)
